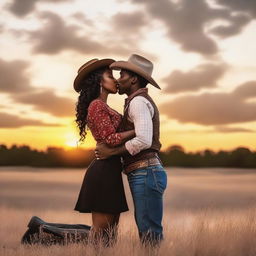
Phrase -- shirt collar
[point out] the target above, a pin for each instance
(136, 93)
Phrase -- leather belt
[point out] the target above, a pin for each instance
(142, 164)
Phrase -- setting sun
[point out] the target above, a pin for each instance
(71, 140)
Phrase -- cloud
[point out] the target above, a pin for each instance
(14, 76)
(248, 6)
(187, 22)
(13, 121)
(226, 129)
(47, 101)
(15, 82)
(2, 28)
(233, 28)
(56, 36)
(129, 22)
(128, 30)
(245, 91)
(24, 7)
(214, 108)
(202, 76)
(79, 16)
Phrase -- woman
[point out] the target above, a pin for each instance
(102, 191)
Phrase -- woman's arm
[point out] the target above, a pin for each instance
(127, 135)
(118, 138)
(103, 126)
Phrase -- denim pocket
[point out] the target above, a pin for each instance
(160, 178)
(138, 172)
(137, 181)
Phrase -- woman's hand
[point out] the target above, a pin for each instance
(102, 151)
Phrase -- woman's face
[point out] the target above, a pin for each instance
(109, 83)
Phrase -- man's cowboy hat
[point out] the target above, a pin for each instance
(88, 67)
(138, 65)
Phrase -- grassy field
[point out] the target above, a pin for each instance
(210, 211)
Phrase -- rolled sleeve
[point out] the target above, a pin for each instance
(140, 112)
(114, 139)
(102, 126)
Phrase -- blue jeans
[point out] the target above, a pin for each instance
(147, 187)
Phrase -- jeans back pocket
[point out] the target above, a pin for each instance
(160, 178)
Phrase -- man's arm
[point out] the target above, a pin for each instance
(102, 151)
(140, 112)
(125, 136)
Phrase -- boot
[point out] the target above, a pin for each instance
(35, 222)
(57, 232)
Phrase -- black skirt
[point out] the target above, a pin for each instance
(102, 189)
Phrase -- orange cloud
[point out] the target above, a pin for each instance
(47, 101)
(214, 108)
(13, 121)
(202, 76)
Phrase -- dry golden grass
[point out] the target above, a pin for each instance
(207, 212)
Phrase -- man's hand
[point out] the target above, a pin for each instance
(102, 151)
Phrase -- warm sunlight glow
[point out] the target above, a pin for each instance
(71, 140)
(208, 84)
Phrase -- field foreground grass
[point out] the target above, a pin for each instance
(203, 233)
(207, 213)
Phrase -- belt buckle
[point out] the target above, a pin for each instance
(151, 161)
(141, 164)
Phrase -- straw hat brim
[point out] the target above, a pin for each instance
(117, 65)
(88, 69)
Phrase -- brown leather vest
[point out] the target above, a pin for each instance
(127, 125)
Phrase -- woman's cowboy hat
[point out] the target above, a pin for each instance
(138, 65)
(88, 67)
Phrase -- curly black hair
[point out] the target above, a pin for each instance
(90, 90)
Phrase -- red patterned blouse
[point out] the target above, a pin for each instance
(103, 122)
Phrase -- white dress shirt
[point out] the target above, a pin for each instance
(140, 113)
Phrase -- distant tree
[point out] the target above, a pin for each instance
(240, 156)
(207, 158)
(175, 155)
(3, 147)
(175, 147)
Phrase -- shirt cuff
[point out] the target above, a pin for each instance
(130, 148)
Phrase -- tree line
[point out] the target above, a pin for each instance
(175, 155)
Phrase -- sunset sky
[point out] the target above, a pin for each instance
(204, 55)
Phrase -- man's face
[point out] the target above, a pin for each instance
(124, 82)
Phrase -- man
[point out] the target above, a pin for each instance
(146, 175)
